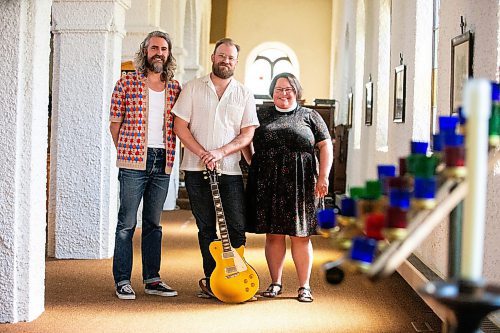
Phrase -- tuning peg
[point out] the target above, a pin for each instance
(205, 177)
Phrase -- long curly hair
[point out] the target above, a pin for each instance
(141, 57)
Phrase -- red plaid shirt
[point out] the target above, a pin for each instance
(129, 106)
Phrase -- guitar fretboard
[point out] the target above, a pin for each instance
(221, 219)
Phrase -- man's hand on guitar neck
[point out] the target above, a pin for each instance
(211, 157)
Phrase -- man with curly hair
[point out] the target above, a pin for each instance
(141, 124)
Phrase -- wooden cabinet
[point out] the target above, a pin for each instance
(340, 159)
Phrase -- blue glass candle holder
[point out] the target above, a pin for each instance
(438, 142)
(495, 92)
(363, 249)
(348, 207)
(448, 124)
(424, 188)
(419, 147)
(424, 193)
(454, 140)
(385, 172)
(326, 218)
(399, 198)
(494, 122)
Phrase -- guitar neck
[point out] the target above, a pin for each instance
(221, 219)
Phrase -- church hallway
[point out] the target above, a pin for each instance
(80, 296)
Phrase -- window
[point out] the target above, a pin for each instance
(266, 61)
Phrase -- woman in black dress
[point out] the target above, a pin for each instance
(285, 181)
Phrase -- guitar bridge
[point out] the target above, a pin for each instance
(231, 271)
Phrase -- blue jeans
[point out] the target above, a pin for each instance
(202, 205)
(151, 185)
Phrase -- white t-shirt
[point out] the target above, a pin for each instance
(156, 111)
(213, 122)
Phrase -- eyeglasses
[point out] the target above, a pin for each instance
(223, 56)
(284, 90)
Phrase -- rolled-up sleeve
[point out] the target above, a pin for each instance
(183, 108)
(249, 113)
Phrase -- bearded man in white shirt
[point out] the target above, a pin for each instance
(215, 118)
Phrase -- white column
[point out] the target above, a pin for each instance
(24, 67)
(422, 64)
(172, 21)
(192, 31)
(142, 18)
(205, 48)
(83, 183)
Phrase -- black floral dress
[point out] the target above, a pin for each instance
(282, 175)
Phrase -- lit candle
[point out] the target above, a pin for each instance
(477, 108)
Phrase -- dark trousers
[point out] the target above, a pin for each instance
(202, 205)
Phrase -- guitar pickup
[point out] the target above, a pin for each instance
(230, 276)
(231, 270)
(227, 255)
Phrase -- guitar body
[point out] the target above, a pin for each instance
(233, 279)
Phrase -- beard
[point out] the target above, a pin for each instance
(222, 72)
(156, 66)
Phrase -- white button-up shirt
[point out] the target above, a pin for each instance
(213, 122)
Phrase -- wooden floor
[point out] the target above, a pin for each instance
(80, 296)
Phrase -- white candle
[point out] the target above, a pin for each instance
(477, 109)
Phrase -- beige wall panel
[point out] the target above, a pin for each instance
(303, 25)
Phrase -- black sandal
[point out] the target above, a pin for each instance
(305, 295)
(273, 290)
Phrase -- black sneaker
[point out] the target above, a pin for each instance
(161, 289)
(125, 292)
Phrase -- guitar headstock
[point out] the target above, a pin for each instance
(212, 175)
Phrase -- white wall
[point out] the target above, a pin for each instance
(411, 35)
(302, 25)
(24, 64)
(482, 19)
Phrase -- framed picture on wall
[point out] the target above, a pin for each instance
(399, 94)
(461, 68)
(350, 101)
(369, 103)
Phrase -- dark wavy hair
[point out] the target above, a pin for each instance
(141, 57)
(294, 82)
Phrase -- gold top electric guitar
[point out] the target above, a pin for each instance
(233, 279)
